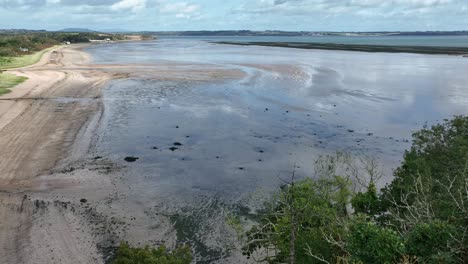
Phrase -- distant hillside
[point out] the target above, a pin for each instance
(78, 30)
(115, 30)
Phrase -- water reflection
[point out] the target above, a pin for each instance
(292, 105)
(202, 142)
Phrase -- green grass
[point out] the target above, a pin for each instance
(21, 61)
(8, 81)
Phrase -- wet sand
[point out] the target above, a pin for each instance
(57, 203)
(39, 123)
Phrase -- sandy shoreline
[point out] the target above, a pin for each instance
(39, 122)
(59, 203)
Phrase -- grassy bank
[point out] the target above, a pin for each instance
(354, 47)
(21, 61)
(8, 81)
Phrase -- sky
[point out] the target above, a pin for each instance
(290, 15)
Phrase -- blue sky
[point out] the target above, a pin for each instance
(308, 15)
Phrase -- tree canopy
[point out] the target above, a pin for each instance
(420, 217)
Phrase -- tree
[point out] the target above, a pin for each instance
(367, 202)
(433, 242)
(306, 213)
(421, 217)
(437, 160)
(369, 243)
(428, 199)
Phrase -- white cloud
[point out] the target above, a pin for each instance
(21, 4)
(180, 8)
(307, 7)
(134, 5)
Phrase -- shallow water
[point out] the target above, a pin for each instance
(435, 41)
(240, 137)
(231, 143)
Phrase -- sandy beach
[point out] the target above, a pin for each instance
(39, 122)
(58, 204)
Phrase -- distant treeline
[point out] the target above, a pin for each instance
(12, 45)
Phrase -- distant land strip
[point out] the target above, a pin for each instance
(357, 47)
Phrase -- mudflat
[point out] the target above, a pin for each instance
(58, 204)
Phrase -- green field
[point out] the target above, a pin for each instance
(8, 81)
(21, 61)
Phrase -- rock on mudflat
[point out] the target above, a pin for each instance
(131, 159)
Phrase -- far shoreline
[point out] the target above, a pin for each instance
(428, 50)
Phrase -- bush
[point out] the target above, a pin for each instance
(421, 217)
(438, 159)
(368, 202)
(10, 43)
(129, 255)
(432, 242)
(309, 209)
(369, 243)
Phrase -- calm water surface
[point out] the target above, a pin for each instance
(317, 101)
(441, 41)
(241, 136)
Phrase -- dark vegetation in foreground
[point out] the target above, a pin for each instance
(339, 216)
(12, 45)
(356, 47)
(129, 255)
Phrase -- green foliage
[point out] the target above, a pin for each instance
(438, 159)
(8, 81)
(433, 242)
(129, 255)
(309, 208)
(10, 44)
(368, 202)
(235, 222)
(369, 243)
(421, 217)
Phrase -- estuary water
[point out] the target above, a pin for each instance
(391, 40)
(226, 140)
